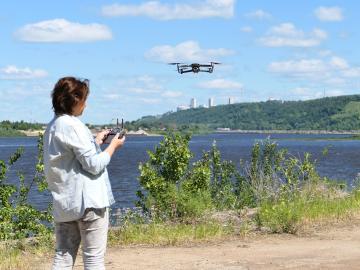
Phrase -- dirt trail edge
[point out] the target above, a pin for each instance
(335, 248)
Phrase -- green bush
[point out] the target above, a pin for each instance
(285, 189)
(162, 174)
(172, 188)
(18, 219)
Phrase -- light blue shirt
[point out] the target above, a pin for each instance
(75, 169)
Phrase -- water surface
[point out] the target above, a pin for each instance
(342, 161)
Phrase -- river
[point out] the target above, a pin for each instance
(342, 161)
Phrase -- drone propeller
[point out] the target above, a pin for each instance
(215, 63)
(173, 63)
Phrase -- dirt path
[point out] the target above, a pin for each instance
(332, 249)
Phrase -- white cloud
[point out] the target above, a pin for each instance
(338, 63)
(318, 33)
(160, 11)
(334, 14)
(352, 72)
(141, 85)
(300, 91)
(12, 72)
(305, 93)
(296, 68)
(220, 84)
(171, 94)
(246, 29)
(332, 71)
(147, 87)
(310, 67)
(61, 30)
(150, 100)
(259, 14)
(186, 51)
(113, 96)
(287, 34)
(140, 90)
(334, 92)
(286, 29)
(324, 53)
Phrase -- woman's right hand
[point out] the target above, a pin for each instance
(117, 142)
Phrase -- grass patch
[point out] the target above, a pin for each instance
(287, 216)
(168, 233)
(24, 254)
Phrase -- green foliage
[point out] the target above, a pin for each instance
(316, 201)
(172, 188)
(280, 217)
(18, 219)
(330, 113)
(11, 129)
(4, 132)
(286, 190)
(20, 125)
(263, 178)
(223, 178)
(161, 175)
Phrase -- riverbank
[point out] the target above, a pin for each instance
(32, 133)
(35, 133)
(345, 132)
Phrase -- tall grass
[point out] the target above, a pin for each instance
(168, 233)
(289, 215)
(26, 254)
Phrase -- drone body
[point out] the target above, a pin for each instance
(195, 67)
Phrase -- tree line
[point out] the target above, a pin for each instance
(329, 113)
(8, 128)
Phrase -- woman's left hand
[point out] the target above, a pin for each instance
(101, 136)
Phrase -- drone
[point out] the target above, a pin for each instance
(195, 67)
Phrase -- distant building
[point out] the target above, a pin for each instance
(182, 108)
(223, 129)
(211, 102)
(231, 100)
(193, 103)
(203, 106)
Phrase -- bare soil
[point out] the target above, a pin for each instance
(334, 247)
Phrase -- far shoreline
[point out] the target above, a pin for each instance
(35, 133)
(277, 131)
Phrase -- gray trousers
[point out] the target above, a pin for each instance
(91, 230)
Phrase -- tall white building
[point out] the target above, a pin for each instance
(193, 103)
(211, 102)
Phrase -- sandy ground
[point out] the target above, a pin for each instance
(334, 248)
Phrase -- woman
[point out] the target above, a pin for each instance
(75, 169)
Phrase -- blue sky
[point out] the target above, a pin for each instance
(288, 50)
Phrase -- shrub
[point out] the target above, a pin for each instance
(161, 175)
(18, 219)
(172, 188)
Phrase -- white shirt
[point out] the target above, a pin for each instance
(75, 169)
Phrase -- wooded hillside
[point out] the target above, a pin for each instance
(330, 113)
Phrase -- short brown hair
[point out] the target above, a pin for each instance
(67, 93)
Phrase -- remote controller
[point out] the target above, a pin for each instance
(115, 131)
